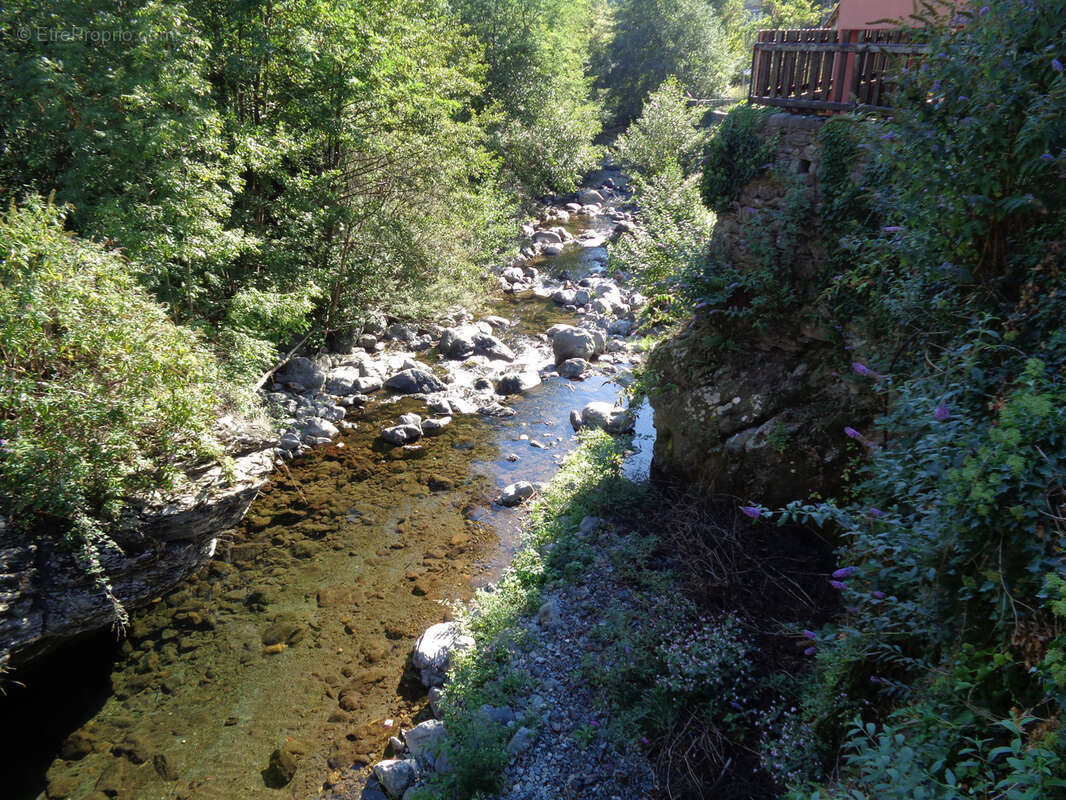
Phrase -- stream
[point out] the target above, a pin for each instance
(302, 625)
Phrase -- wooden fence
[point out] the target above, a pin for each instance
(823, 69)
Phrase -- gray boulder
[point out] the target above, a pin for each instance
(573, 343)
(433, 650)
(401, 434)
(394, 776)
(573, 368)
(342, 381)
(613, 419)
(488, 345)
(304, 372)
(425, 740)
(517, 383)
(432, 426)
(319, 428)
(516, 493)
(458, 343)
(415, 381)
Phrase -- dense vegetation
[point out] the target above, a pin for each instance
(943, 227)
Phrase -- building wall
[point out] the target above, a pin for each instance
(859, 14)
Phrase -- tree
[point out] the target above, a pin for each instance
(655, 39)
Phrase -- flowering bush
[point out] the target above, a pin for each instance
(712, 660)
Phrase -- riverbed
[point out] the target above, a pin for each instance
(301, 627)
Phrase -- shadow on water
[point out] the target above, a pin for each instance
(40, 709)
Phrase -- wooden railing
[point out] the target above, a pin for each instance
(823, 69)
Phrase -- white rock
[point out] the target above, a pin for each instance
(433, 651)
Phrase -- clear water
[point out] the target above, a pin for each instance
(302, 626)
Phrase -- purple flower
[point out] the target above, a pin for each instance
(874, 679)
(845, 572)
(809, 634)
(892, 228)
(863, 370)
(852, 433)
(750, 511)
(851, 609)
(839, 585)
(1047, 157)
(879, 595)
(644, 740)
(942, 412)
(736, 706)
(984, 10)
(1056, 65)
(875, 512)
(810, 651)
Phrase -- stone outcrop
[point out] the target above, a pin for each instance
(763, 420)
(46, 598)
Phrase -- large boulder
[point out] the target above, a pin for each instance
(608, 417)
(458, 343)
(516, 493)
(574, 342)
(343, 381)
(433, 650)
(303, 373)
(488, 345)
(395, 776)
(401, 434)
(415, 381)
(764, 424)
(517, 383)
(573, 368)
(425, 740)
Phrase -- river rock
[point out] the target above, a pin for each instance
(611, 418)
(343, 380)
(547, 237)
(497, 321)
(516, 493)
(303, 372)
(433, 650)
(491, 347)
(395, 776)
(432, 426)
(521, 741)
(318, 428)
(425, 740)
(415, 381)
(458, 343)
(497, 410)
(285, 760)
(589, 197)
(573, 342)
(401, 434)
(401, 332)
(410, 419)
(573, 368)
(517, 383)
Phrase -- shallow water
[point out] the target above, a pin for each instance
(302, 626)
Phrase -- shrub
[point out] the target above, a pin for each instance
(667, 132)
(101, 396)
(735, 155)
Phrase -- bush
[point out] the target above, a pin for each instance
(102, 396)
(667, 132)
(735, 155)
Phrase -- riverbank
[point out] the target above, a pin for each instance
(276, 666)
(644, 643)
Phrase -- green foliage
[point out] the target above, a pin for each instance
(122, 128)
(667, 132)
(735, 155)
(537, 89)
(669, 246)
(656, 39)
(102, 396)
